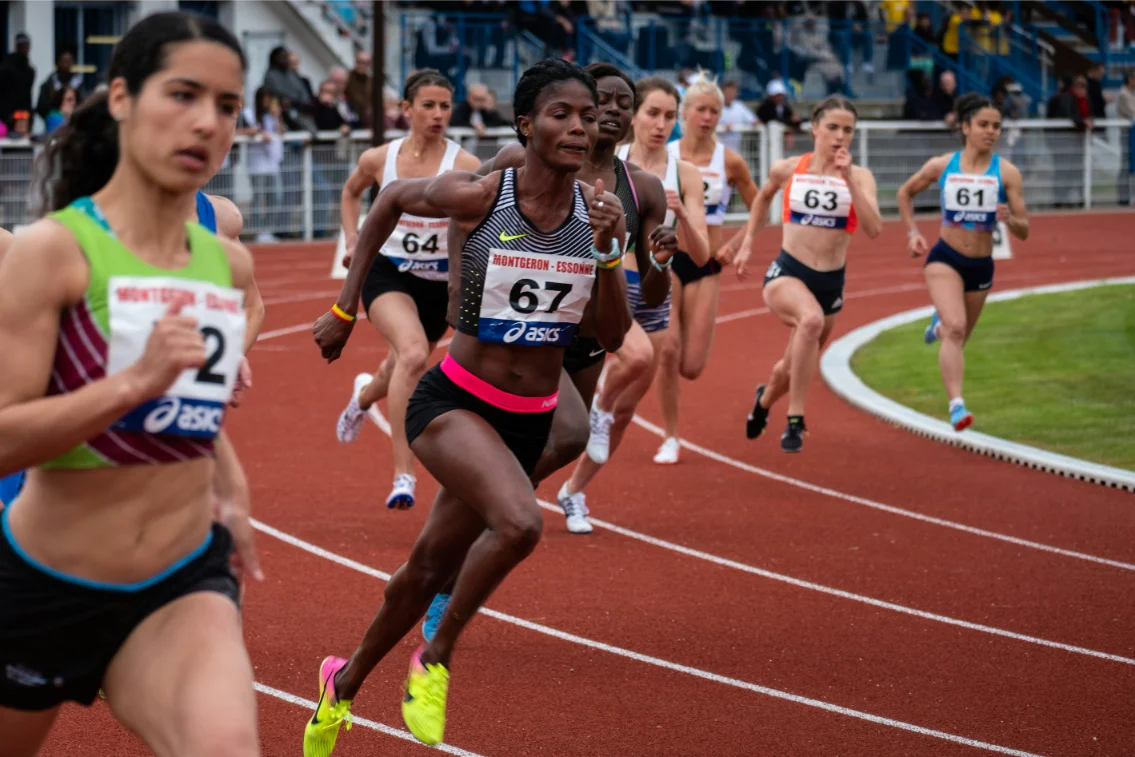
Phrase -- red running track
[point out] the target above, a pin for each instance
(832, 602)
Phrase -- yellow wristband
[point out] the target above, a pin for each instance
(341, 315)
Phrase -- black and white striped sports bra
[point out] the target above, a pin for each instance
(520, 285)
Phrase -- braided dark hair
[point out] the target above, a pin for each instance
(546, 73)
(82, 155)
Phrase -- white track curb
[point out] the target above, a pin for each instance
(835, 366)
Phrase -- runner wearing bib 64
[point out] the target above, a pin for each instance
(129, 323)
(536, 247)
(405, 293)
(978, 189)
(685, 351)
(826, 199)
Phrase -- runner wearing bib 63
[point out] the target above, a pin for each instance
(405, 294)
(979, 190)
(826, 200)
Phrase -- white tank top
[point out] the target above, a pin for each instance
(419, 246)
(669, 181)
(714, 183)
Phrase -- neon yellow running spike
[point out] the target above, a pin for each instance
(323, 729)
(423, 707)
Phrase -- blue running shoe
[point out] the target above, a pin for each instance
(930, 335)
(960, 418)
(433, 616)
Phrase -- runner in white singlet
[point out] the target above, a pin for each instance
(406, 291)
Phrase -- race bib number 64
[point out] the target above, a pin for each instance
(195, 405)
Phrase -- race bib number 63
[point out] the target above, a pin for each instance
(195, 405)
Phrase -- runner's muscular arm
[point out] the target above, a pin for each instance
(652, 211)
(368, 170)
(1016, 215)
(612, 312)
(230, 224)
(458, 195)
(865, 200)
(930, 172)
(43, 274)
(693, 237)
(737, 173)
(759, 211)
(509, 156)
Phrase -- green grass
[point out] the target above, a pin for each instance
(1054, 371)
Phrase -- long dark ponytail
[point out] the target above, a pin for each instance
(81, 156)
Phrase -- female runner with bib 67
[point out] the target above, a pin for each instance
(979, 189)
(826, 200)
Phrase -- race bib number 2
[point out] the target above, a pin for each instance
(195, 405)
(534, 299)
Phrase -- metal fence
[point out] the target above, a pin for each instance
(300, 199)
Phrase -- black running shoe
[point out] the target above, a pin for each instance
(758, 419)
(792, 440)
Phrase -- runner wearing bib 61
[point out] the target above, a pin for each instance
(129, 322)
(405, 293)
(826, 199)
(536, 247)
(979, 189)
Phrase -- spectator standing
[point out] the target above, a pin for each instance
(63, 103)
(734, 113)
(393, 119)
(358, 89)
(945, 95)
(1097, 101)
(775, 106)
(62, 77)
(288, 87)
(17, 77)
(478, 112)
(921, 104)
(265, 156)
(1067, 148)
(1125, 109)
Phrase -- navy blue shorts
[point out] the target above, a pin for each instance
(976, 273)
(651, 319)
(825, 286)
(59, 634)
(688, 271)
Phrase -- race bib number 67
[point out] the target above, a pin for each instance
(195, 405)
(533, 299)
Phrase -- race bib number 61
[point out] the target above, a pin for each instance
(195, 405)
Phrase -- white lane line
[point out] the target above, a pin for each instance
(300, 297)
(799, 583)
(364, 722)
(657, 431)
(655, 661)
(380, 420)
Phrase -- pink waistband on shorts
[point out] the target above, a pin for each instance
(483, 390)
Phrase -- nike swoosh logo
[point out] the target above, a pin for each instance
(509, 237)
(596, 352)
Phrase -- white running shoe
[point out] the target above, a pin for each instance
(668, 453)
(599, 442)
(402, 495)
(575, 509)
(351, 420)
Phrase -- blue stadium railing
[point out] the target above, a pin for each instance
(753, 51)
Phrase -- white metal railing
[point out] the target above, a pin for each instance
(300, 199)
